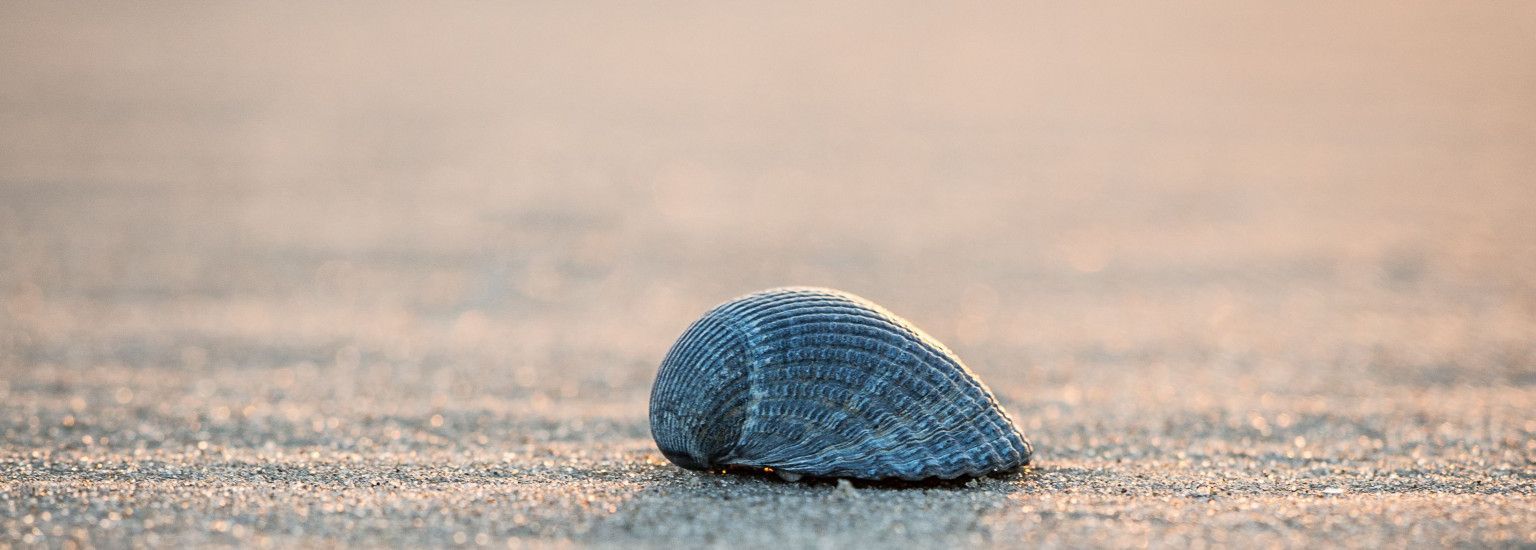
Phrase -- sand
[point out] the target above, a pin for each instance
(378, 275)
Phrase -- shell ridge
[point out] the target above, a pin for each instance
(856, 404)
(812, 367)
(914, 340)
(760, 400)
(791, 304)
(703, 340)
(912, 344)
(839, 413)
(904, 442)
(955, 384)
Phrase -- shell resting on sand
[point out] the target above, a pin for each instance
(819, 382)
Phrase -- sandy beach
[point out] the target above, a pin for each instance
(396, 275)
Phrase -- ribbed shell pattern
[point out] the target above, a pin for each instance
(821, 382)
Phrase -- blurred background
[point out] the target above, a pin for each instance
(400, 273)
(297, 223)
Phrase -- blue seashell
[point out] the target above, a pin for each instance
(819, 382)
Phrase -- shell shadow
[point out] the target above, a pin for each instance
(1023, 474)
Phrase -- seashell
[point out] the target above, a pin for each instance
(819, 382)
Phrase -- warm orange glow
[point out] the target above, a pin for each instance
(1217, 260)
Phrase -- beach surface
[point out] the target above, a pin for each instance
(376, 274)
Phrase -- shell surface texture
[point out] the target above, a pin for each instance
(819, 382)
